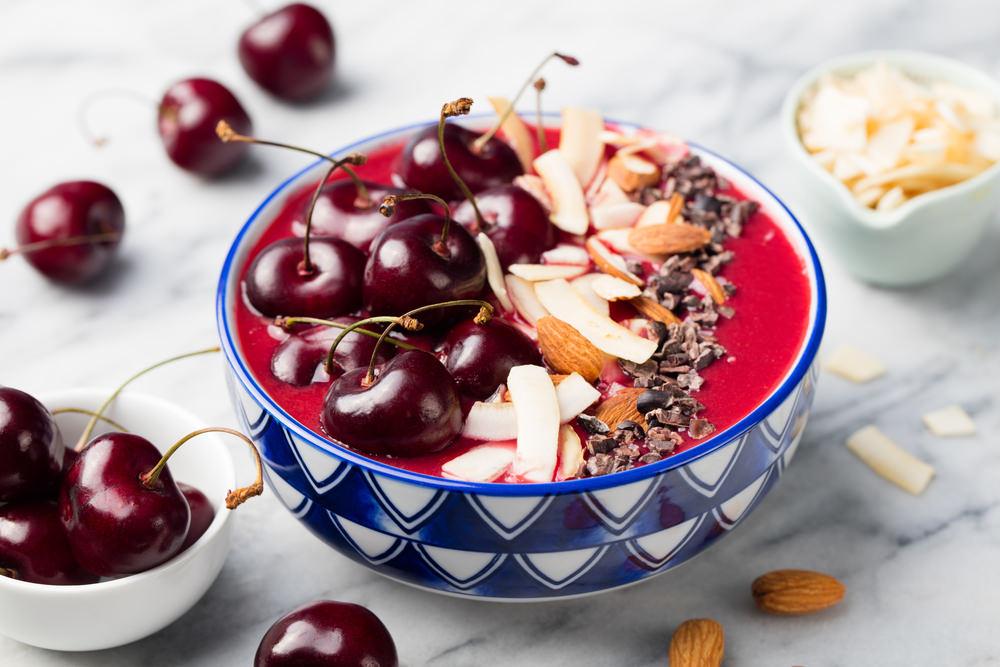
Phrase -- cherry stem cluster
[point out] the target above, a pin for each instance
(287, 322)
(37, 246)
(355, 159)
(459, 107)
(234, 498)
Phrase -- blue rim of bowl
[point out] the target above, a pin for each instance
(332, 448)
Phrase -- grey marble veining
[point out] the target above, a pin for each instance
(922, 573)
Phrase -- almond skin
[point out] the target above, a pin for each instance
(567, 351)
(621, 407)
(652, 310)
(668, 239)
(711, 285)
(698, 642)
(795, 592)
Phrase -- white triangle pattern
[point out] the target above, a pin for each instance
(509, 516)
(559, 569)
(657, 548)
(374, 546)
(707, 473)
(731, 511)
(410, 505)
(617, 506)
(289, 496)
(322, 470)
(462, 569)
(256, 418)
(792, 448)
(777, 422)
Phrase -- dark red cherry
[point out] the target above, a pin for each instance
(70, 232)
(299, 359)
(188, 115)
(114, 522)
(278, 283)
(327, 634)
(31, 447)
(479, 356)
(289, 52)
(409, 267)
(515, 221)
(202, 514)
(421, 167)
(33, 546)
(337, 213)
(411, 407)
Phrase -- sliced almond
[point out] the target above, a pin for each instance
(569, 209)
(669, 239)
(653, 310)
(608, 262)
(609, 194)
(485, 463)
(516, 132)
(494, 272)
(618, 240)
(615, 289)
(566, 350)
(566, 253)
(536, 272)
(616, 216)
(657, 213)
(580, 141)
(490, 421)
(570, 453)
(632, 172)
(950, 422)
(796, 592)
(563, 302)
(711, 285)
(526, 303)
(584, 287)
(853, 364)
(890, 461)
(535, 186)
(537, 410)
(697, 642)
(621, 407)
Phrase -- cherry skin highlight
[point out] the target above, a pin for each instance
(479, 356)
(422, 168)
(31, 447)
(289, 52)
(278, 283)
(409, 267)
(515, 221)
(188, 115)
(33, 546)
(327, 634)
(115, 524)
(66, 211)
(411, 408)
(202, 514)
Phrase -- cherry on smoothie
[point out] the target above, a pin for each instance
(479, 356)
(422, 261)
(202, 514)
(289, 52)
(514, 220)
(70, 232)
(186, 119)
(31, 447)
(33, 546)
(327, 634)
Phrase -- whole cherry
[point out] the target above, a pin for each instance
(479, 356)
(289, 52)
(514, 220)
(31, 447)
(33, 546)
(187, 117)
(70, 232)
(202, 514)
(327, 634)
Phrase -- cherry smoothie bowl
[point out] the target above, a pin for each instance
(553, 363)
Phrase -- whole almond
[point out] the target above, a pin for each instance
(621, 407)
(668, 239)
(794, 592)
(653, 310)
(711, 285)
(567, 351)
(698, 642)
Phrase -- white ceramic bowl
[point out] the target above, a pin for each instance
(924, 238)
(116, 612)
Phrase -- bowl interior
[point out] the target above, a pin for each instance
(229, 291)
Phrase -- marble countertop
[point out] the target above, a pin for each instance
(924, 586)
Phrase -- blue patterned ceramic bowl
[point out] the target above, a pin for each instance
(528, 541)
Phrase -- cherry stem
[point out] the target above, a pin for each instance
(355, 159)
(89, 430)
(234, 498)
(37, 246)
(459, 107)
(388, 208)
(543, 144)
(8, 572)
(480, 143)
(80, 411)
(406, 319)
(381, 319)
(286, 322)
(227, 134)
(83, 110)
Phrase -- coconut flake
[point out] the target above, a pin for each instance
(569, 209)
(485, 463)
(950, 422)
(853, 364)
(537, 409)
(575, 395)
(584, 286)
(536, 272)
(570, 453)
(890, 461)
(494, 271)
(490, 421)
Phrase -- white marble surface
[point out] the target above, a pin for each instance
(922, 573)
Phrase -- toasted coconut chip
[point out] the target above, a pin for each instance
(566, 253)
(580, 142)
(516, 132)
(855, 365)
(887, 459)
(537, 409)
(490, 421)
(950, 422)
(485, 463)
(632, 172)
(569, 209)
(570, 453)
(574, 395)
(534, 186)
(657, 213)
(537, 272)
(584, 287)
(526, 303)
(615, 289)
(494, 272)
(609, 194)
(608, 262)
(616, 216)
